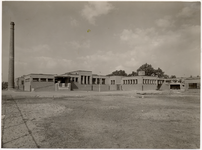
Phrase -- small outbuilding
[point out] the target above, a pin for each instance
(192, 83)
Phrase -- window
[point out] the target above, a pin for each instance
(94, 80)
(76, 80)
(194, 86)
(35, 79)
(43, 79)
(22, 82)
(112, 82)
(98, 81)
(50, 80)
(103, 81)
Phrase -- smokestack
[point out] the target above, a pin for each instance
(11, 59)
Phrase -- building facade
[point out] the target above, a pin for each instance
(192, 84)
(82, 80)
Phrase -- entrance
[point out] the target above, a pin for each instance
(175, 86)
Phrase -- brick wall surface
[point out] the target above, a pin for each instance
(128, 87)
(113, 87)
(102, 88)
(147, 87)
(43, 86)
(81, 87)
(27, 86)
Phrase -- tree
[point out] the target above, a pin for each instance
(159, 72)
(133, 74)
(118, 73)
(165, 76)
(172, 76)
(149, 70)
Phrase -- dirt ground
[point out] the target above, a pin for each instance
(113, 120)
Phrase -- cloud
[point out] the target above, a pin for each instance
(119, 67)
(165, 22)
(95, 9)
(139, 37)
(80, 45)
(116, 61)
(74, 22)
(39, 48)
(181, 46)
(190, 10)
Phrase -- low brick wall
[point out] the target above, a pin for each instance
(27, 86)
(149, 87)
(102, 88)
(130, 87)
(43, 86)
(21, 87)
(81, 87)
(113, 87)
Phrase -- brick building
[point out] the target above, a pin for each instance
(82, 80)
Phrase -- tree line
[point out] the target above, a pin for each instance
(149, 71)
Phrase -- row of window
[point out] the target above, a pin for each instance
(194, 85)
(148, 81)
(74, 79)
(98, 81)
(133, 81)
(161, 81)
(112, 82)
(39, 80)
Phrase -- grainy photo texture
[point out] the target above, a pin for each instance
(100, 74)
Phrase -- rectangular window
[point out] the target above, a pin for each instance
(35, 79)
(76, 80)
(82, 79)
(43, 79)
(50, 80)
(22, 82)
(94, 81)
(112, 82)
(194, 86)
(103, 81)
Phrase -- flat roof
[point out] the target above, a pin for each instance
(66, 75)
(193, 78)
(41, 74)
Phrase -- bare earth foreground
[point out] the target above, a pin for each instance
(100, 120)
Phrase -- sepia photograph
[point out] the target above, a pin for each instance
(101, 74)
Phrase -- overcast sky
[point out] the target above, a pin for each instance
(58, 37)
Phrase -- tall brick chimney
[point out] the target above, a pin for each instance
(11, 59)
